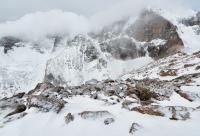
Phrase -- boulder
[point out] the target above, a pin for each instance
(134, 128)
(108, 121)
(197, 68)
(69, 118)
(94, 114)
(126, 103)
(17, 109)
(151, 110)
(44, 103)
(94, 96)
(41, 87)
(144, 93)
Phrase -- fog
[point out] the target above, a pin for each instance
(34, 20)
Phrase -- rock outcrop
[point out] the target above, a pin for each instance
(108, 121)
(135, 127)
(47, 97)
(69, 118)
(8, 43)
(94, 114)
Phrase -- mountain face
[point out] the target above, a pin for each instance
(148, 27)
(163, 94)
(142, 72)
(155, 33)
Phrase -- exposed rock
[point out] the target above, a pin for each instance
(171, 112)
(112, 98)
(69, 118)
(76, 59)
(151, 110)
(197, 68)
(52, 92)
(134, 128)
(13, 105)
(108, 80)
(189, 96)
(19, 95)
(187, 78)
(188, 65)
(152, 26)
(118, 100)
(45, 103)
(57, 41)
(168, 72)
(8, 43)
(144, 93)
(112, 93)
(126, 103)
(41, 87)
(91, 82)
(156, 89)
(144, 103)
(179, 113)
(177, 85)
(94, 114)
(108, 121)
(94, 96)
(15, 99)
(17, 109)
(194, 20)
(121, 48)
(131, 90)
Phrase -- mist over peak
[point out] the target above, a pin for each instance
(57, 20)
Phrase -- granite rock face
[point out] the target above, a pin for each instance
(149, 27)
(8, 43)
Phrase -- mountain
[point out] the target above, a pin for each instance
(136, 75)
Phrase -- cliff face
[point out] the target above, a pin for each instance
(192, 21)
(150, 26)
(147, 28)
(8, 43)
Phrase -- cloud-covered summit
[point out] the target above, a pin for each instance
(48, 17)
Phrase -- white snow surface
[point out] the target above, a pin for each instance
(51, 124)
(23, 67)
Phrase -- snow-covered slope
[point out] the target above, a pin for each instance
(82, 59)
(123, 80)
(23, 67)
(169, 106)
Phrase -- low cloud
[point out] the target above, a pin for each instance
(38, 25)
(41, 24)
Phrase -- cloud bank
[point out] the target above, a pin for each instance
(38, 25)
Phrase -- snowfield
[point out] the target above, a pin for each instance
(40, 123)
(51, 124)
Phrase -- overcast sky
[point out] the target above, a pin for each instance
(14, 9)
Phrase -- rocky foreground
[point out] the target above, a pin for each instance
(173, 96)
